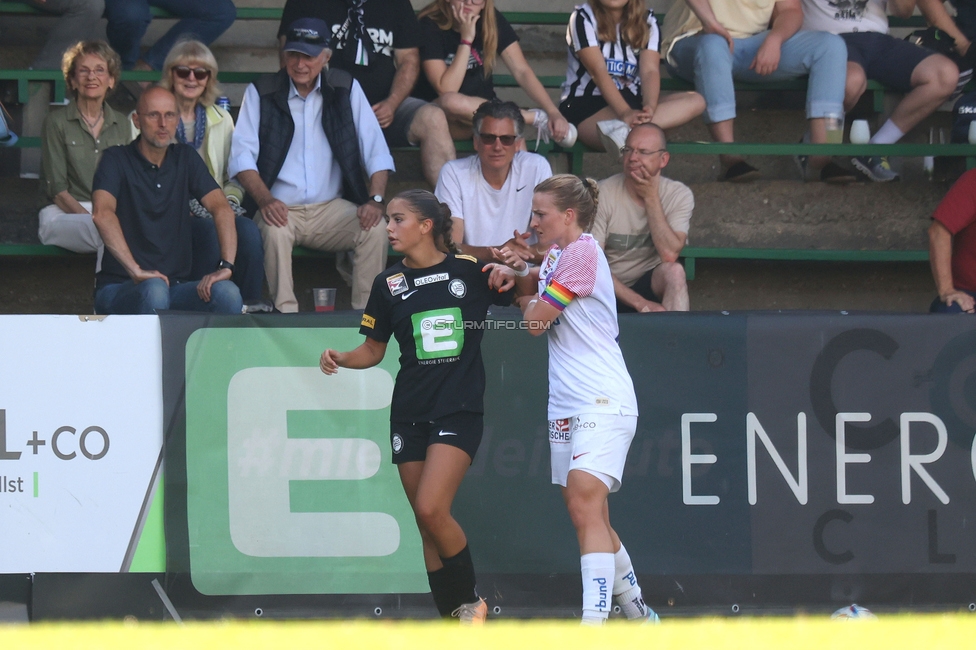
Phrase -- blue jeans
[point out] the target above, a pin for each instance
(249, 263)
(128, 20)
(705, 60)
(150, 296)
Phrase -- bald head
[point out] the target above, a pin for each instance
(661, 140)
(157, 117)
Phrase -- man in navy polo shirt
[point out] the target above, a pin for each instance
(140, 197)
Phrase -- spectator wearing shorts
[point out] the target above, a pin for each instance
(613, 74)
(927, 78)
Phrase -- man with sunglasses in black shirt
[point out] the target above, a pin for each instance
(490, 194)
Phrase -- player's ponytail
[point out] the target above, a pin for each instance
(426, 205)
(569, 191)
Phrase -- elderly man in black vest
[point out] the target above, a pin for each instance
(305, 144)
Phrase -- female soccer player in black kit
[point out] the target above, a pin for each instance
(436, 416)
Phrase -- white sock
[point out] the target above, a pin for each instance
(887, 134)
(597, 570)
(626, 591)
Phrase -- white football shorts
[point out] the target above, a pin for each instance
(596, 443)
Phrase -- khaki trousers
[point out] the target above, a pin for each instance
(331, 226)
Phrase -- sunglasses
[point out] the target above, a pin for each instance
(184, 72)
(489, 139)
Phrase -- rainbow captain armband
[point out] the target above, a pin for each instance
(557, 295)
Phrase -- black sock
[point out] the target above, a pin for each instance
(454, 584)
(439, 589)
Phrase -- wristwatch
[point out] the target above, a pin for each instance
(378, 198)
(224, 264)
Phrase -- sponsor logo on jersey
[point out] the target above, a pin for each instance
(430, 279)
(602, 401)
(438, 335)
(397, 443)
(559, 431)
(368, 321)
(397, 283)
(457, 288)
(408, 294)
(580, 424)
(575, 456)
(447, 433)
(619, 68)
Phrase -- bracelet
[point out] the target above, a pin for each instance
(468, 43)
(524, 272)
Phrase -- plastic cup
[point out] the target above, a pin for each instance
(860, 132)
(834, 123)
(324, 299)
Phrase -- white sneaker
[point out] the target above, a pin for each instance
(544, 131)
(613, 135)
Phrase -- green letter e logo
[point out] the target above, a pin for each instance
(279, 479)
(438, 333)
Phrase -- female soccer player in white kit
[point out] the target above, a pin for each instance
(592, 406)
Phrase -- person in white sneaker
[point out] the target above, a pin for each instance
(490, 193)
(613, 74)
(461, 41)
(927, 78)
(592, 405)
(716, 42)
(642, 223)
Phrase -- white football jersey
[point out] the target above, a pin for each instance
(587, 373)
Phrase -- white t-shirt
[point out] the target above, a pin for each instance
(491, 216)
(845, 16)
(587, 373)
(622, 61)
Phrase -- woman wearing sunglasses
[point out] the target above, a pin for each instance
(461, 41)
(190, 72)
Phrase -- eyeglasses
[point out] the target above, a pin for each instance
(489, 139)
(184, 72)
(643, 153)
(92, 72)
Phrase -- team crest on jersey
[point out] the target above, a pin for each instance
(430, 279)
(397, 284)
(457, 288)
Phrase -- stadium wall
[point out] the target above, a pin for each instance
(782, 460)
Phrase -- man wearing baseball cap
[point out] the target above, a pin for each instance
(305, 144)
(378, 43)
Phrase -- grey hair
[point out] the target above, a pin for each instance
(499, 110)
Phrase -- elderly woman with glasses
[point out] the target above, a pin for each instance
(190, 72)
(72, 143)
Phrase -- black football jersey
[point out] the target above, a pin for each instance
(437, 315)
